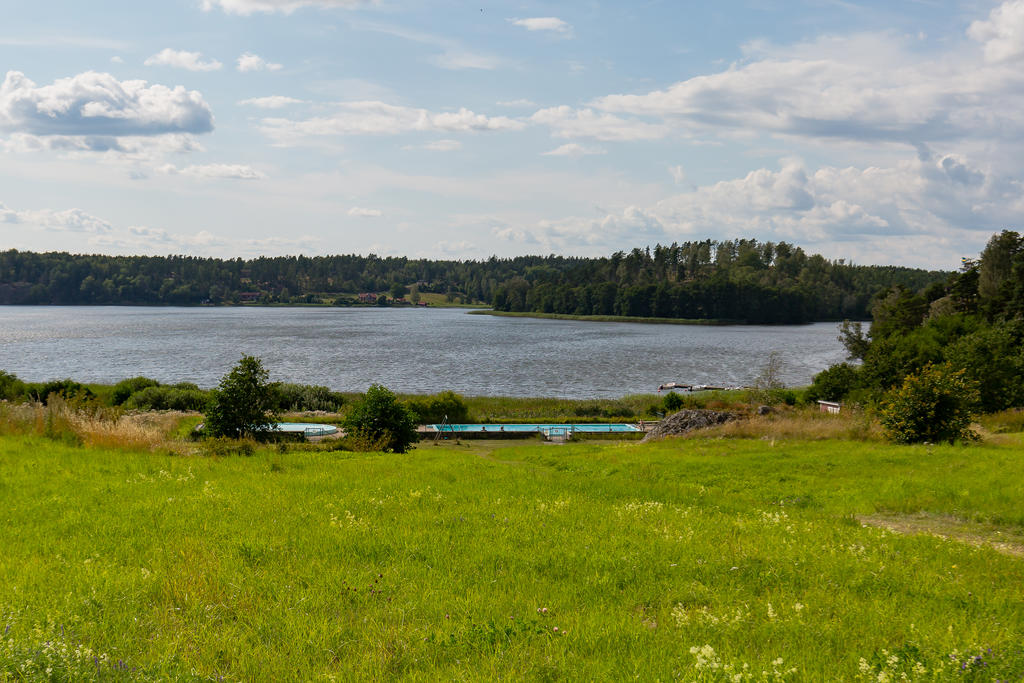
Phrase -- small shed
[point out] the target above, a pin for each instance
(832, 407)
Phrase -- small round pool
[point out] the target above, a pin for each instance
(306, 428)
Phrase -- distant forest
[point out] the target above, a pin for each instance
(733, 280)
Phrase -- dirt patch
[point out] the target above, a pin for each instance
(1001, 539)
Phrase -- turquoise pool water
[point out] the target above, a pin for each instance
(545, 428)
(307, 428)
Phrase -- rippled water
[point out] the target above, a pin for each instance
(407, 350)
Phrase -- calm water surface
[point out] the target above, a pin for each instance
(407, 350)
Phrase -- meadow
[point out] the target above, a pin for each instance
(712, 558)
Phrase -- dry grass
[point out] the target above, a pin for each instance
(91, 426)
(803, 423)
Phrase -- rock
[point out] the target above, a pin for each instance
(688, 420)
(763, 410)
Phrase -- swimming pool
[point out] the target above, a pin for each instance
(306, 428)
(541, 428)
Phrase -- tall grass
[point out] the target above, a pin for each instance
(681, 560)
(91, 424)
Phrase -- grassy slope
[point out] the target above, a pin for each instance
(434, 564)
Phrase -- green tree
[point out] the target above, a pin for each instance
(933, 405)
(11, 387)
(241, 405)
(672, 402)
(834, 383)
(380, 422)
(398, 290)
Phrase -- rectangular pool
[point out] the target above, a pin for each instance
(540, 428)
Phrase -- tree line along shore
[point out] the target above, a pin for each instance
(730, 280)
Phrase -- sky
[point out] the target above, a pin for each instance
(876, 132)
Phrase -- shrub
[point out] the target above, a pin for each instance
(11, 388)
(167, 398)
(66, 389)
(242, 404)
(378, 422)
(672, 402)
(931, 406)
(126, 387)
(834, 383)
(299, 397)
(434, 409)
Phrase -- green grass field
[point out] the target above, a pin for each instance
(703, 559)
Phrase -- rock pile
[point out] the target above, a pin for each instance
(686, 421)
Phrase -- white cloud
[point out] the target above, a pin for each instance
(193, 61)
(543, 24)
(117, 60)
(70, 220)
(443, 146)
(365, 213)
(246, 7)
(678, 174)
(1003, 33)
(574, 150)
(928, 211)
(869, 88)
(250, 62)
(271, 102)
(219, 171)
(566, 122)
(522, 102)
(372, 117)
(460, 60)
(99, 105)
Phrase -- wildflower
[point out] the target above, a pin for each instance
(798, 607)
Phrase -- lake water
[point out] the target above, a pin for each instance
(408, 350)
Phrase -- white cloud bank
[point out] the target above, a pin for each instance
(575, 150)
(543, 24)
(1002, 35)
(192, 61)
(70, 220)
(928, 210)
(270, 102)
(380, 118)
(246, 7)
(361, 212)
(97, 104)
(251, 62)
(215, 171)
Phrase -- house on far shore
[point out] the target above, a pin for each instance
(367, 298)
(248, 296)
(829, 407)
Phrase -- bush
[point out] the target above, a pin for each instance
(834, 384)
(933, 405)
(168, 398)
(435, 409)
(242, 404)
(11, 388)
(126, 387)
(378, 422)
(66, 389)
(300, 397)
(673, 402)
